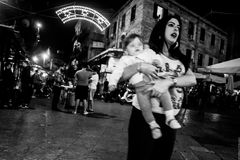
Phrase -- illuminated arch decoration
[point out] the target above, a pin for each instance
(74, 12)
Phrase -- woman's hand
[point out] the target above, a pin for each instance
(148, 69)
(160, 86)
(143, 67)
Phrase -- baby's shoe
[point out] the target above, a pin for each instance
(155, 129)
(173, 123)
(156, 133)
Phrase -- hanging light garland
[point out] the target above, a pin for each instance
(74, 12)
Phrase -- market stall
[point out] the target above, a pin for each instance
(229, 68)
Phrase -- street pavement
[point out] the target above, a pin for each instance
(43, 134)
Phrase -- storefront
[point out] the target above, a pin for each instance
(106, 61)
(11, 52)
(11, 48)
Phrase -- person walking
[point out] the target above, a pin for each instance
(36, 84)
(58, 81)
(81, 92)
(26, 85)
(165, 41)
(92, 90)
(8, 84)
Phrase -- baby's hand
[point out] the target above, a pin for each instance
(112, 87)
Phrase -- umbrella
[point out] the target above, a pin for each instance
(227, 67)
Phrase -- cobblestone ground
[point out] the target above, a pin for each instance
(43, 134)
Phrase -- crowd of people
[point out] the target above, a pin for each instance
(82, 85)
(157, 70)
(207, 96)
(21, 86)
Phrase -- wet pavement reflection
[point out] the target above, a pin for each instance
(43, 134)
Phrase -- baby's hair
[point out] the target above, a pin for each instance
(130, 38)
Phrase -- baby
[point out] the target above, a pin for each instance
(136, 54)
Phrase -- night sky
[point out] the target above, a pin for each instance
(59, 35)
(53, 31)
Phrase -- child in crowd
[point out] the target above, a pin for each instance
(135, 53)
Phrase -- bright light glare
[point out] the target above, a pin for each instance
(74, 12)
(45, 56)
(44, 74)
(35, 59)
(39, 25)
(48, 52)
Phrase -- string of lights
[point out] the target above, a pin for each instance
(73, 12)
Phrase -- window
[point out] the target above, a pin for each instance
(133, 13)
(123, 21)
(200, 59)
(202, 35)
(120, 45)
(114, 28)
(158, 11)
(97, 44)
(190, 30)
(222, 46)
(189, 54)
(107, 32)
(213, 40)
(210, 61)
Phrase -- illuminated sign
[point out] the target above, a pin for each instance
(80, 12)
(96, 44)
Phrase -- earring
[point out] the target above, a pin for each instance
(176, 45)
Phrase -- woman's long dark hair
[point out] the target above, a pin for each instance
(157, 39)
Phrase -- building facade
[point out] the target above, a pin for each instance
(89, 41)
(201, 40)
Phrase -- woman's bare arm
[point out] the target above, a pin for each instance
(162, 86)
(142, 67)
(186, 80)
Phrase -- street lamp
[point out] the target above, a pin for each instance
(39, 26)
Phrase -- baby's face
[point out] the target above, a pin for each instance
(135, 47)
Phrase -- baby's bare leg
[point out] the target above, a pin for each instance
(146, 108)
(167, 105)
(145, 105)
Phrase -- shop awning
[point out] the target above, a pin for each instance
(210, 77)
(227, 67)
(108, 52)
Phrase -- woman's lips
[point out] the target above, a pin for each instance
(174, 35)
